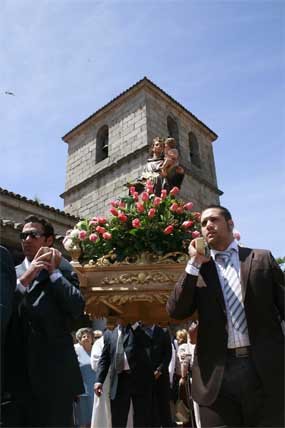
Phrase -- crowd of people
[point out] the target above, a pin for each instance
(225, 371)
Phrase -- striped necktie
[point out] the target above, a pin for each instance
(232, 290)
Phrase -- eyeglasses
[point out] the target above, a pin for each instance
(33, 234)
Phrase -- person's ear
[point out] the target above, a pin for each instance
(50, 240)
(231, 225)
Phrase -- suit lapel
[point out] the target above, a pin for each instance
(211, 278)
(245, 257)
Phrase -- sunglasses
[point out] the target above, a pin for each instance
(33, 234)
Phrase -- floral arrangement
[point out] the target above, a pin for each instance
(138, 224)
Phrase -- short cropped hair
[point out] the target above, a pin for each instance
(224, 211)
(82, 331)
(47, 227)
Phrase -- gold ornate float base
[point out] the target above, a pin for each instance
(130, 291)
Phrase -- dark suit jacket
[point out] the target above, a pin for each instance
(263, 292)
(41, 350)
(161, 350)
(7, 290)
(136, 346)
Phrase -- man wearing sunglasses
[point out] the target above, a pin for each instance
(45, 376)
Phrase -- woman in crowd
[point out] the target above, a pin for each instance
(83, 412)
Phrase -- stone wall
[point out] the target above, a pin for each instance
(133, 121)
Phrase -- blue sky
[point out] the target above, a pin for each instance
(223, 60)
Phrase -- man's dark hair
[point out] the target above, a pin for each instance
(48, 228)
(224, 211)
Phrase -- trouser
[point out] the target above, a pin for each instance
(241, 401)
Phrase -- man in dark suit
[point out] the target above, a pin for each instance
(126, 352)
(160, 355)
(44, 376)
(238, 370)
(7, 289)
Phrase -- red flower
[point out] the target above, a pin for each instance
(149, 186)
(93, 237)
(173, 207)
(145, 196)
(122, 217)
(114, 203)
(82, 235)
(197, 216)
(100, 229)
(139, 207)
(163, 194)
(136, 223)
(151, 213)
(180, 210)
(107, 235)
(102, 220)
(195, 234)
(156, 201)
(168, 230)
(188, 223)
(135, 195)
(132, 190)
(114, 211)
(188, 206)
(122, 204)
(174, 191)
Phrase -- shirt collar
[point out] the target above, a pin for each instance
(233, 246)
(27, 263)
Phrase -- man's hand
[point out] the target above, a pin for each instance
(54, 260)
(195, 257)
(98, 388)
(40, 261)
(157, 374)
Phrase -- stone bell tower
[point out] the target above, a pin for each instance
(110, 148)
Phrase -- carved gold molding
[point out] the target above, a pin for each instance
(139, 278)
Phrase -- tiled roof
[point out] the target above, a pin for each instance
(31, 201)
(141, 82)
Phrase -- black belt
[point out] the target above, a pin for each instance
(241, 352)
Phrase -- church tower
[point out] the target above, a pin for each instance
(110, 148)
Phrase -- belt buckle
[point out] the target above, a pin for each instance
(241, 352)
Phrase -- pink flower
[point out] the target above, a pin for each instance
(151, 213)
(188, 206)
(82, 235)
(136, 223)
(145, 196)
(174, 191)
(114, 211)
(195, 234)
(173, 207)
(132, 190)
(163, 194)
(139, 207)
(102, 220)
(180, 210)
(107, 235)
(236, 235)
(100, 229)
(93, 237)
(149, 186)
(122, 217)
(135, 196)
(157, 201)
(93, 222)
(122, 204)
(197, 216)
(188, 223)
(168, 230)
